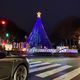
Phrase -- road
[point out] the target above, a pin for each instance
(54, 68)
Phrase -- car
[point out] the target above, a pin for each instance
(13, 67)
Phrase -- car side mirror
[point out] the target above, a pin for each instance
(2, 55)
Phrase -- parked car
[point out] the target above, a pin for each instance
(13, 67)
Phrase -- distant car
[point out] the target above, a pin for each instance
(13, 67)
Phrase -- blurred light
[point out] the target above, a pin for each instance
(24, 49)
(39, 14)
(3, 22)
(8, 47)
(3, 43)
(7, 34)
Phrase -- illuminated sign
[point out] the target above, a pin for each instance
(35, 50)
(8, 47)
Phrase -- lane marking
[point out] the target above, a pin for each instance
(44, 67)
(51, 72)
(35, 62)
(69, 75)
(40, 64)
(30, 59)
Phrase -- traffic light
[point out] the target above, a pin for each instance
(7, 35)
(3, 22)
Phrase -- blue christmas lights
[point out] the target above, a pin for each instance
(38, 37)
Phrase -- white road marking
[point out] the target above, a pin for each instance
(40, 64)
(44, 67)
(69, 75)
(35, 62)
(30, 59)
(51, 72)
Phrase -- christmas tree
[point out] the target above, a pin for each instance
(38, 37)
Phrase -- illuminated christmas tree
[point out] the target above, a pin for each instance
(38, 37)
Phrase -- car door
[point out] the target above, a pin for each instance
(6, 65)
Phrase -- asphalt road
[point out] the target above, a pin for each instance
(54, 68)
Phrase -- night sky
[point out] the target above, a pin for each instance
(23, 12)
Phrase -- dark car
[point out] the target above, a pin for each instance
(13, 67)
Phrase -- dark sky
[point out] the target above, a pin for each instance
(23, 12)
